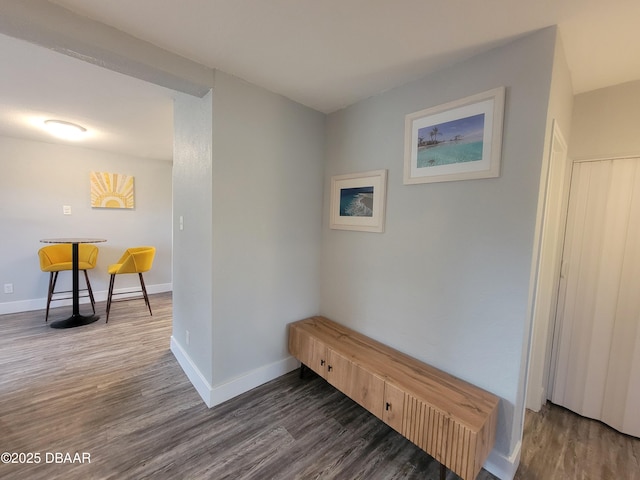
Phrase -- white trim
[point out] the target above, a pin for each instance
(504, 467)
(545, 266)
(259, 376)
(191, 371)
(611, 157)
(218, 394)
(28, 306)
(100, 296)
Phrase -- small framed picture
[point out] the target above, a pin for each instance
(459, 140)
(111, 190)
(358, 201)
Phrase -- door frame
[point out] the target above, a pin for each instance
(554, 192)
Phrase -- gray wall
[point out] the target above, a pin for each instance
(192, 199)
(268, 155)
(606, 122)
(38, 179)
(448, 281)
(248, 181)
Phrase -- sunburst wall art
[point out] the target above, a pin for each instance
(111, 190)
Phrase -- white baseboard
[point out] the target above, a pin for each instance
(100, 296)
(27, 305)
(504, 467)
(202, 386)
(215, 395)
(536, 398)
(255, 378)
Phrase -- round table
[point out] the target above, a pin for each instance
(75, 320)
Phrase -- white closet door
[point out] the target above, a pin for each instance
(598, 351)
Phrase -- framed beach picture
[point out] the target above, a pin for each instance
(358, 201)
(459, 140)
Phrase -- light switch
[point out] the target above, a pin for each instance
(66, 209)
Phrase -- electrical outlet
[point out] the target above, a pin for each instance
(66, 209)
(8, 288)
(188, 337)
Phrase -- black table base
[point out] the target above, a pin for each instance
(74, 321)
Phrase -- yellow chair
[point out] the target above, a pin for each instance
(58, 258)
(134, 260)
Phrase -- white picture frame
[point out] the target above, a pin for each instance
(358, 201)
(459, 140)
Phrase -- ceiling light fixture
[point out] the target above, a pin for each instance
(62, 129)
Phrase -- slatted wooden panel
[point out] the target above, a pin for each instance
(446, 440)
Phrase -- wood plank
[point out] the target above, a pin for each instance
(394, 406)
(339, 372)
(309, 351)
(367, 390)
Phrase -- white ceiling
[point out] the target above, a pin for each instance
(122, 114)
(326, 54)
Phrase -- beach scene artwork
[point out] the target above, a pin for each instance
(356, 202)
(456, 141)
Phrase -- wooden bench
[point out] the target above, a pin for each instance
(450, 419)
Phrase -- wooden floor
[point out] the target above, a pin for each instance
(116, 393)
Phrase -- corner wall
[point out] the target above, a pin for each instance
(248, 183)
(191, 340)
(448, 281)
(268, 161)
